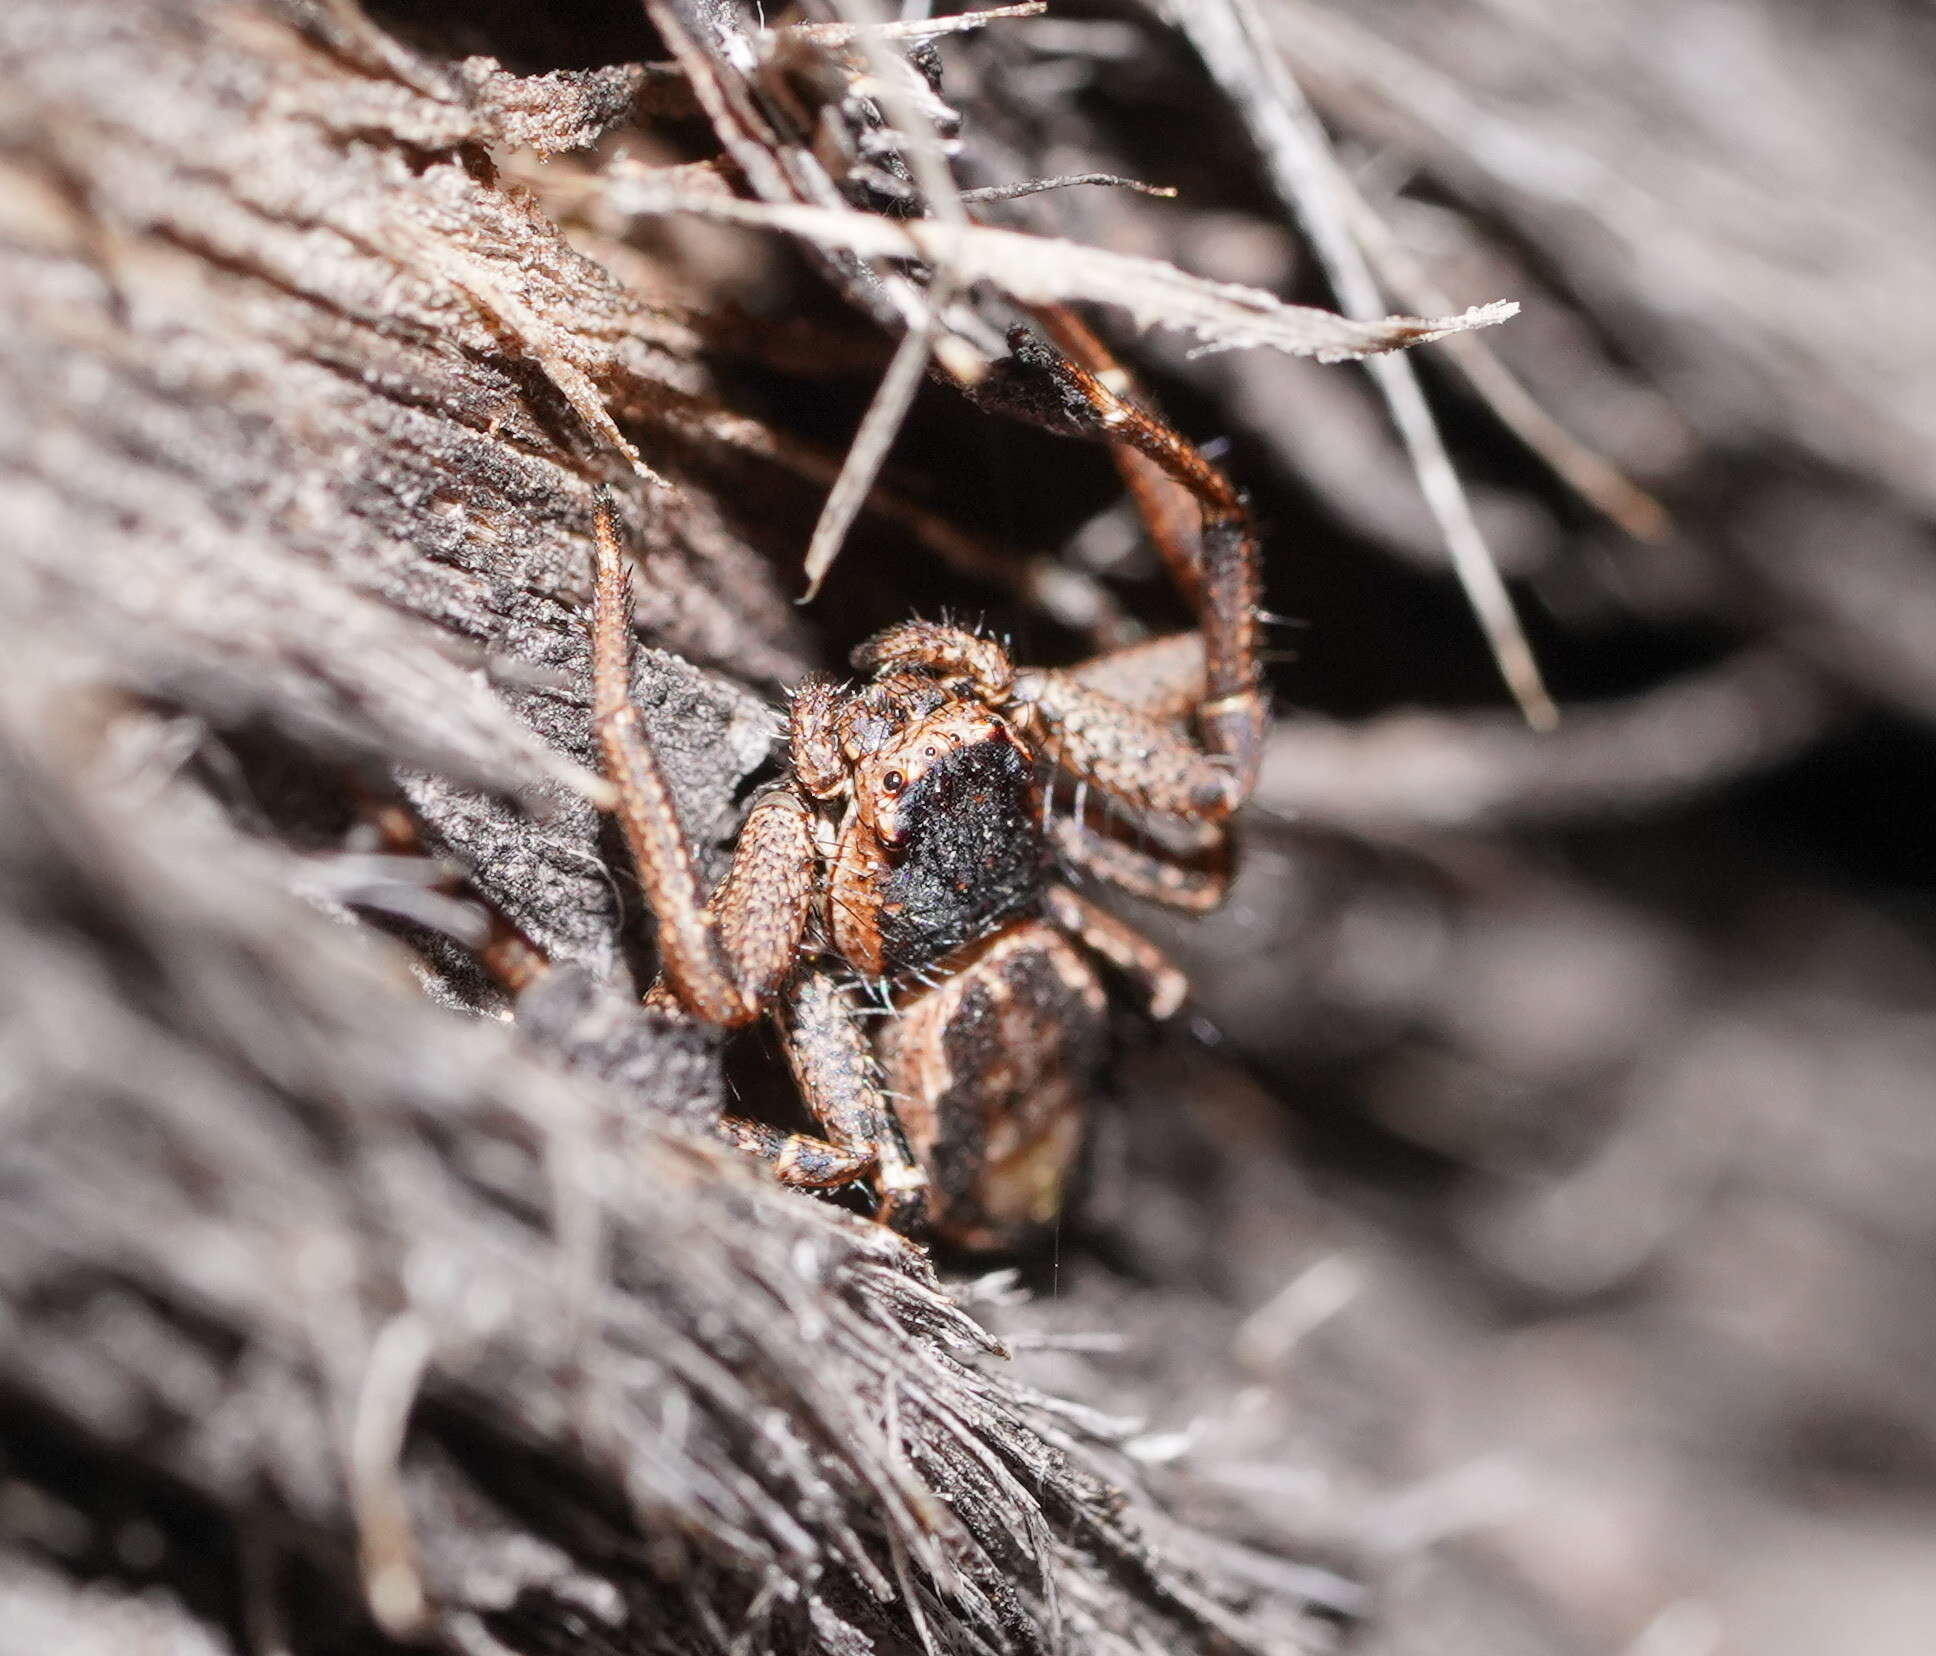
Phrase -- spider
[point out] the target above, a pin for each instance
(908, 853)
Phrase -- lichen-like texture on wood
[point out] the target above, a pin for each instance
(1527, 1221)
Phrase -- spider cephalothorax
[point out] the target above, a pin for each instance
(940, 838)
(906, 858)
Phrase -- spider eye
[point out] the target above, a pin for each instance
(893, 782)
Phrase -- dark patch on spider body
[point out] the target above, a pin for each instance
(972, 853)
(990, 1068)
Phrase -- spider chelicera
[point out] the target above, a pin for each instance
(907, 856)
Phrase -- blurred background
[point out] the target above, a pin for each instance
(1622, 1038)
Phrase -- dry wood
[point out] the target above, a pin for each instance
(1544, 1162)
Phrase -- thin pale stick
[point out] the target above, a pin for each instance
(1590, 475)
(918, 28)
(1237, 50)
(882, 422)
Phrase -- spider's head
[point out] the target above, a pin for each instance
(943, 839)
(961, 760)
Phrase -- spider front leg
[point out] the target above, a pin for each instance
(725, 959)
(722, 957)
(1161, 677)
(1141, 761)
(1115, 722)
(1076, 394)
(1223, 579)
(795, 1159)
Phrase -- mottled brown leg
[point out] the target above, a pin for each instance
(1169, 509)
(1161, 678)
(1223, 577)
(690, 950)
(724, 958)
(1129, 755)
(761, 906)
(833, 1064)
(1190, 886)
(515, 962)
(792, 1158)
(813, 736)
(1125, 948)
(947, 652)
(795, 1158)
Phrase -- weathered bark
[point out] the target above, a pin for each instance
(338, 1309)
(331, 1309)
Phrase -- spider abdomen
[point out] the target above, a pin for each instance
(990, 1070)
